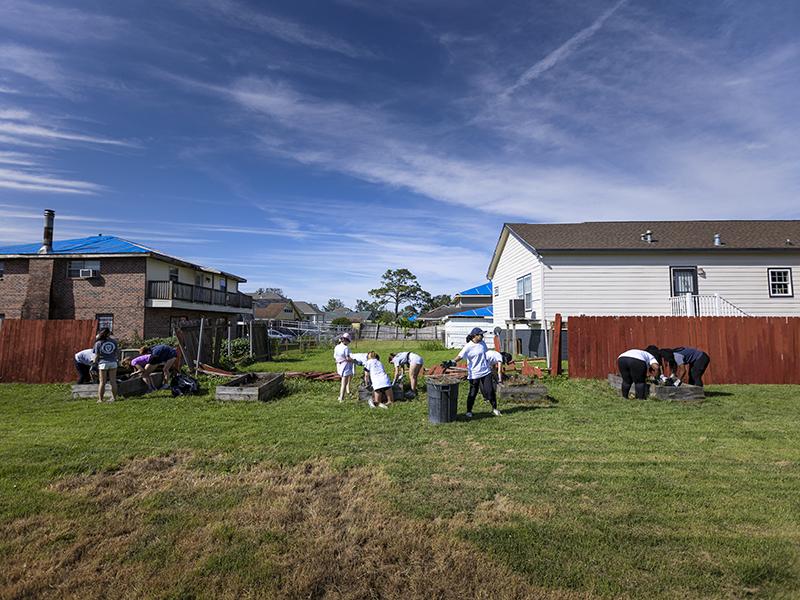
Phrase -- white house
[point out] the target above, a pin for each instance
(680, 268)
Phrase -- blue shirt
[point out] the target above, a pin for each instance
(688, 355)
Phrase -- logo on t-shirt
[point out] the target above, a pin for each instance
(108, 347)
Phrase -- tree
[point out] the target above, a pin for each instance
(431, 302)
(333, 304)
(271, 290)
(375, 308)
(398, 287)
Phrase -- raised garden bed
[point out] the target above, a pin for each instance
(520, 389)
(669, 393)
(251, 387)
(135, 386)
(364, 394)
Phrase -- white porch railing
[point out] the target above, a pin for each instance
(704, 305)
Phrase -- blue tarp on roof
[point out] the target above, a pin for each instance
(480, 290)
(97, 244)
(486, 311)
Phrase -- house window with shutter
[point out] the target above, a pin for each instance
(780, 283)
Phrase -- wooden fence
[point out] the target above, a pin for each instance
(742, 349)
(42, 351)
(375, 331)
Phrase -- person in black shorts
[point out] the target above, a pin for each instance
(161, 356)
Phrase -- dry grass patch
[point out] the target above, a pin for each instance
(158, 527)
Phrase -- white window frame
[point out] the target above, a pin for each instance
(101, 317)
(74, 267)
(788, 283)
(525, 292)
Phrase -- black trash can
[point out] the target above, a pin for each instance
(442, 401)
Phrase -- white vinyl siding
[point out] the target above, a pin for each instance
(515, 262)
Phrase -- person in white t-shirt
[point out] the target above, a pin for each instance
(634, 366)
(381, 384)
(479, 371)
(344, 364)
(413, 361)
(498, 359)
(84, 361)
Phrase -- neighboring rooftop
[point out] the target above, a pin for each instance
(485, 311)
(307, 308)
(102, 245)
(479, 290)
(663, 235)
(272, 310)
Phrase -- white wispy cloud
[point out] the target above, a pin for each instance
(46, 133)
(563, 51)
(35, 65)
(57, 22)
(244, 17)
(31, 182)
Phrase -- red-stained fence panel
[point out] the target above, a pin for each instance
(42, 351)
(742, 349)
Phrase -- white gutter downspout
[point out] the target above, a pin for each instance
(544, 318)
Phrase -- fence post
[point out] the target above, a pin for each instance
(689, 305)
(199, 348)
(716, 305)
(251, 339)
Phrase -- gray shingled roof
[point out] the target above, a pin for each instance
(667, 235)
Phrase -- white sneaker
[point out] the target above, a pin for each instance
(497, 413)
(371, 404)
(469, 415)
(382, 405)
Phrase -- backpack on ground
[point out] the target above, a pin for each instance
(184, 385)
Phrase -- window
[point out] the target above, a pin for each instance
(780, 283)
(223, 284)
(75, 266)
(105, 320)
(173, 274)
(497, 290)
(2, 269)
(524, 290)
(684, 280)
(198, 279)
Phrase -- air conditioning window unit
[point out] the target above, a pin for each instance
(516, 308)
(88, 273)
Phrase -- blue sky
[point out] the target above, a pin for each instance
(312, 145)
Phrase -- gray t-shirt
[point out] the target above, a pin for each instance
(106, 350)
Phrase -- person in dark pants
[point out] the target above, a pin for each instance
(479, 371)
(685, 361)
(634, 366)
(84, 361)
(161, 356)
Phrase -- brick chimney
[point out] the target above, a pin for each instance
(40, 275)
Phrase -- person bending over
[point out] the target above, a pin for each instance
(381, 384)
(686, 364)
(161, 357)
(410, 360)
(634, 366)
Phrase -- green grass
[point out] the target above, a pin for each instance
(606, 496)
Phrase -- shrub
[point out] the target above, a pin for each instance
(432, 346)
(341, 321)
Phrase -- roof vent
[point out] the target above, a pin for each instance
(647, 236)
(717, 239)
(47, 236)
(789, 242)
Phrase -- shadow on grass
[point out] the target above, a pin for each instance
(486, 413)
(715, 394)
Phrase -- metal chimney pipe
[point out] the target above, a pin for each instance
(717, 239)
(47, 236)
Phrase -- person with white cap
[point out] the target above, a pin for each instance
(344, 364)
(479, 371)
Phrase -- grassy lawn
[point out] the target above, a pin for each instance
(304, 497)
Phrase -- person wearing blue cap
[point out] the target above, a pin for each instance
(479, 371)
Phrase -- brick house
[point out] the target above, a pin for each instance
(137, 291)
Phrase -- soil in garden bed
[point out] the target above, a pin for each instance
(254, 380)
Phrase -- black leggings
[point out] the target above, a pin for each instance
(486, 385)
(84, 373)
(634, 372)
(697, 368)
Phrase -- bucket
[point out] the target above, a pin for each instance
(442, 401)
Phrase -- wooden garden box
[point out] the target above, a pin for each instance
(521, 389)
(135, 386)
(670, 393)
(251, 387)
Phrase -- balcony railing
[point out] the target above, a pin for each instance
(704, 305)
(172, 290)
